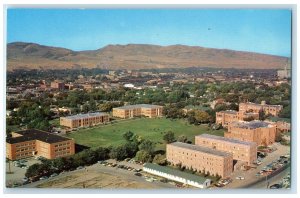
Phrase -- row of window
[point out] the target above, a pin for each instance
(25, 149)
(63, 144)
(25, 144)
(24, 154)
(62, 149)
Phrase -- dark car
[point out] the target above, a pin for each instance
(138, 174)
(275, 186)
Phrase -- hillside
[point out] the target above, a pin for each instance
(135, 56)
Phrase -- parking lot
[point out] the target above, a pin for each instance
(18, 170)
(242, 178)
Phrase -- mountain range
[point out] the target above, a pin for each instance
(21, 55)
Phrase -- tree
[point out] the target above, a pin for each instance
(148, 146)
(285, 112)
(143, 156)
(202, 116)
(33, 170)
(92, 105)
(182, 138)
(102, 153)
(118, 153)
(128, 136)
(131, 148)
(159, 159)
(261, 115)
(169, 137)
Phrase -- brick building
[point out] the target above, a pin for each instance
(255, 108)
(200, 158)
(263, 133)
(225, 117)
(34, 142)
(84, 120)
(131, 111)
(57, 85)
(241, 150)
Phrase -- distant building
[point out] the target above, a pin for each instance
(200, 158)
(129, 85)
(84, 120)
(284, 73)
(256, 108)
(176, 175)
(57, 85)
(241, 150)
(263, 133)
(32, 142)
(131, 111)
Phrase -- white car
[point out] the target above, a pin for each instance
(240, 178)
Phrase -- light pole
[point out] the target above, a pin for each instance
(268, 183)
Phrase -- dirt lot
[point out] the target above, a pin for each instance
(99, 176)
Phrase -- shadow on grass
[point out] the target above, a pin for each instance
(79, 148)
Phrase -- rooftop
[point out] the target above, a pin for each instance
(138, 106)
(229, 111)
(251, 125)
(175, 172)
(201, 149)
(34, 134)
(226, 139)
(87, 115)
(251, 103)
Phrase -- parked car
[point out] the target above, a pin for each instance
(54, 175)
(43, 178)
(164, 180)
(79, 167)
(138, 174)
(240, 178)
(275, 186)
(25, 179)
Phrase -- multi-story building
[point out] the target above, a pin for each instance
(263, 133)
(34, 142)
(256, 108)
(200, 158)
(225, 117)
(241, 150)
(84, 120)
(131, 111)
(57, 85)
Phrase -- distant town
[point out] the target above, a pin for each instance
(149, 128)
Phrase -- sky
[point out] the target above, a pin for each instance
(264, 31)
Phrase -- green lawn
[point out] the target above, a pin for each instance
(147, 128)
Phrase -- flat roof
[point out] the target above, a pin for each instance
(175, 172)
(215, 137)
(201, 149)
(34, 134)
(251, 103)
(138, 106)
(87, 115)
(251, 125)
(228, 111)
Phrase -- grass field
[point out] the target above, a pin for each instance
(152, 129)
